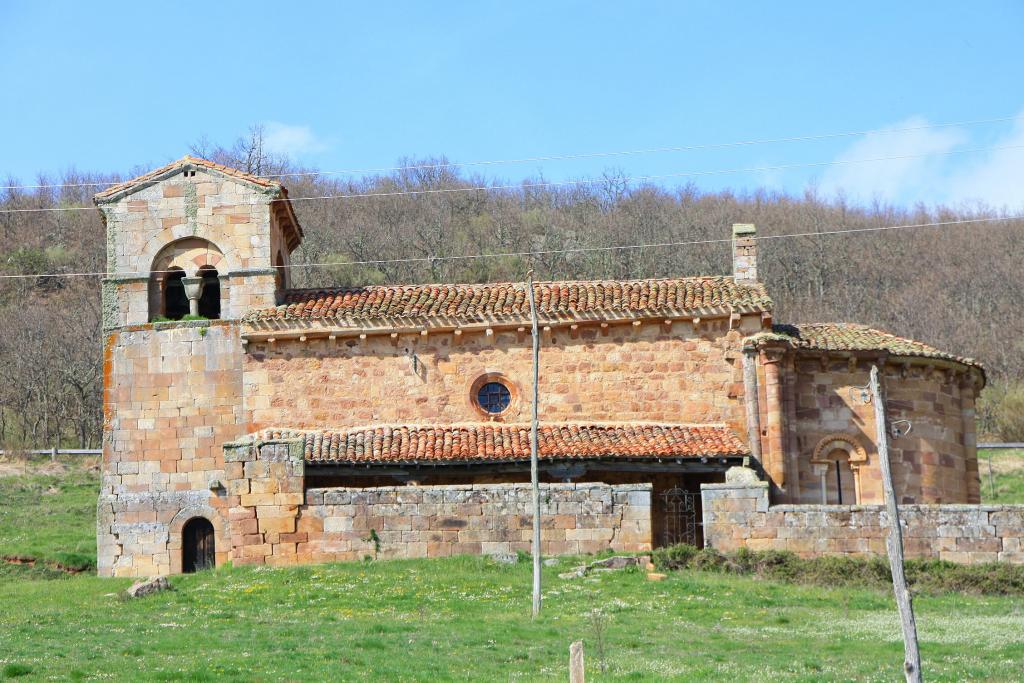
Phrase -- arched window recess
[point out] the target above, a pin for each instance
(837, 460)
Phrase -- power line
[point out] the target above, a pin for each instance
(586, 181)
(571, 250)
(641, 178)
(583, 155)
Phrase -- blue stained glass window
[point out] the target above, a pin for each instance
(494, 397)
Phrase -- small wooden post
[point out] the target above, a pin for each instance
(750, 399)
(894, 541)
(991, 479)
(576, 672)
(534, 477)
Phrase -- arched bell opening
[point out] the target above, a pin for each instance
(175, 302)
(184, 279)
(209, 300)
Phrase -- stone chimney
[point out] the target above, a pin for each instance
(744, 252)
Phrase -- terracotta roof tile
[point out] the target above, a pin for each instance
(852, 337)
(184, 161)
(509, 299)
(497, 442)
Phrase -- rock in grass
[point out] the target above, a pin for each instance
(140, 589)
(608, 564)
(551, 562)
(618, 562)
(505, 558)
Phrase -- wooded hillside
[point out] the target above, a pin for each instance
(956, 287)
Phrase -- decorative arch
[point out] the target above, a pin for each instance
(837, 460)
(160, 242)
(177, 527)
(841, 441)
(196, 263)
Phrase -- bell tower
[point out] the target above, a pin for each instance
(194, 240)
(191, 247)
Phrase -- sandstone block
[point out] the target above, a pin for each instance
(252, 499)
(277, 524)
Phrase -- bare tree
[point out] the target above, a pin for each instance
(956, 288)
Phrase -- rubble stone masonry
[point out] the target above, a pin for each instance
(738, 515)
(274, 522)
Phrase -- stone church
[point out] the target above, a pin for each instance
(250, 422)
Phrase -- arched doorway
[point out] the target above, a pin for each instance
(197, 546)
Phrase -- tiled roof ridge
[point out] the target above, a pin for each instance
(484, 300)
(847, 336)
(512, 283)
(179, 163)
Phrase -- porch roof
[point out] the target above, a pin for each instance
(509, 443)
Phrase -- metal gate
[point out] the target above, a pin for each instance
(681, 522)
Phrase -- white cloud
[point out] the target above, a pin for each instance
(894, 178)
(998, 178)
(293, 141)
(928, 174)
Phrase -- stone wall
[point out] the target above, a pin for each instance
(266, 485)
(171, 400)
(675, 372)
(274, 522)
(935, 463)
(654, 372)
(437, 521)
(738, 515)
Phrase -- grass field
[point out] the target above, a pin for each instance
(1006, 483)
(48, 512)
(462, 618)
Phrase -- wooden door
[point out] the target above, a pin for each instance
(197, 546)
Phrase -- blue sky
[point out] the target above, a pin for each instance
(122, 86)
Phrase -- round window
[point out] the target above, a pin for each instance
(494, 397)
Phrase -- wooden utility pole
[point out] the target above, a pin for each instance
(894, 541)
(576, 671)
(534, 481)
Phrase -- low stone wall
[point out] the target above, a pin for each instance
(738, 515)
(436, 521)
(275, 521)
